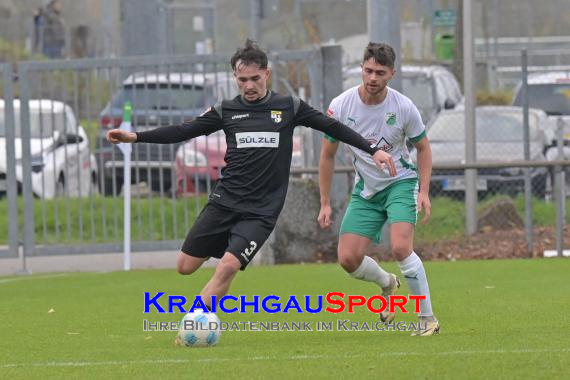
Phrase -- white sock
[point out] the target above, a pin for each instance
(369, 270)
(413, 270)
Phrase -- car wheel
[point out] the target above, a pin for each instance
(111, 187)
(94, 184)
(60, 186)
(539, 185)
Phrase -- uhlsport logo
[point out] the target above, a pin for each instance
(391, 118)
(276, 116)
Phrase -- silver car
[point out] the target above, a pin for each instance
(499, 134)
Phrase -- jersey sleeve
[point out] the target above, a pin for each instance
(310, 117)
(414, 127)
(204, 124)
(334, 112)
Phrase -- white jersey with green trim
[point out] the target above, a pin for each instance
(386, 125)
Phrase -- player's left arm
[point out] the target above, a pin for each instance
(415, 130)
(424, 167)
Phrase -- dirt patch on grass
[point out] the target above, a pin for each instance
(486, 244)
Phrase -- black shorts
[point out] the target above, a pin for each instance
(218, 230)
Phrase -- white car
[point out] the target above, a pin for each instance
(62, 164)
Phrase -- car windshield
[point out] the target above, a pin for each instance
(492, 126)
(151, 96)
(553, 98)
(42, 125)
(419, 89)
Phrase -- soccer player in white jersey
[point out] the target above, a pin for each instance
(386, 118)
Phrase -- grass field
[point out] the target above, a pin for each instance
(500, 319)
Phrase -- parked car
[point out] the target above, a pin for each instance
(499, 131)
(61, 161)
(549, 92)
(157, 99)
(199, 162)
(431, 88)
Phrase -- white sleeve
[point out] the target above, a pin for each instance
(334, 112)
(334, 109)
(414, 127)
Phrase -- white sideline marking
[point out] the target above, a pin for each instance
(262, 358)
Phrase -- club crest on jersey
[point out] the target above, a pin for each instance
(276, 116)
(390, 118)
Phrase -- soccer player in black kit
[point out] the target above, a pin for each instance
(244, 205)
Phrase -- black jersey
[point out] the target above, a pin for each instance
(259, 138)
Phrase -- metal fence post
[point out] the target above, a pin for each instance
(526, 138)
(11, 181)
(470, 120)
(29, 232)
(560, 189)
(316, 100)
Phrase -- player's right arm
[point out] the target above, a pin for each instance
(204, 124)
(326, 172)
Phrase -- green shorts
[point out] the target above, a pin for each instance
(396, 203)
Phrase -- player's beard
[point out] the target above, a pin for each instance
(374, 91)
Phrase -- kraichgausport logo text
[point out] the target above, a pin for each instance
(336, 302)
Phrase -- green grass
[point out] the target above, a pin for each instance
(500, 319)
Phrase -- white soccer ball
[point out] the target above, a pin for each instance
(199, 329)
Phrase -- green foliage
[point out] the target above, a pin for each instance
(91, 128)
(58, 221)
(103, 218)
(12, 53)
(502, 98)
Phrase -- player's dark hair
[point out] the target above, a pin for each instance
(249, 54)
(383, 54)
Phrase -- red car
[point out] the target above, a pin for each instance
(199, 162)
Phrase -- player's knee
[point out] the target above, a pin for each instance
(401, 250)
(187, 264)
(349, 261)
(185, 269)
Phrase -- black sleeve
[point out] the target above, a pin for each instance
(310, 117)
(204, 124)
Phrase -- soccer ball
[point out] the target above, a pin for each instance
(199, 329)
